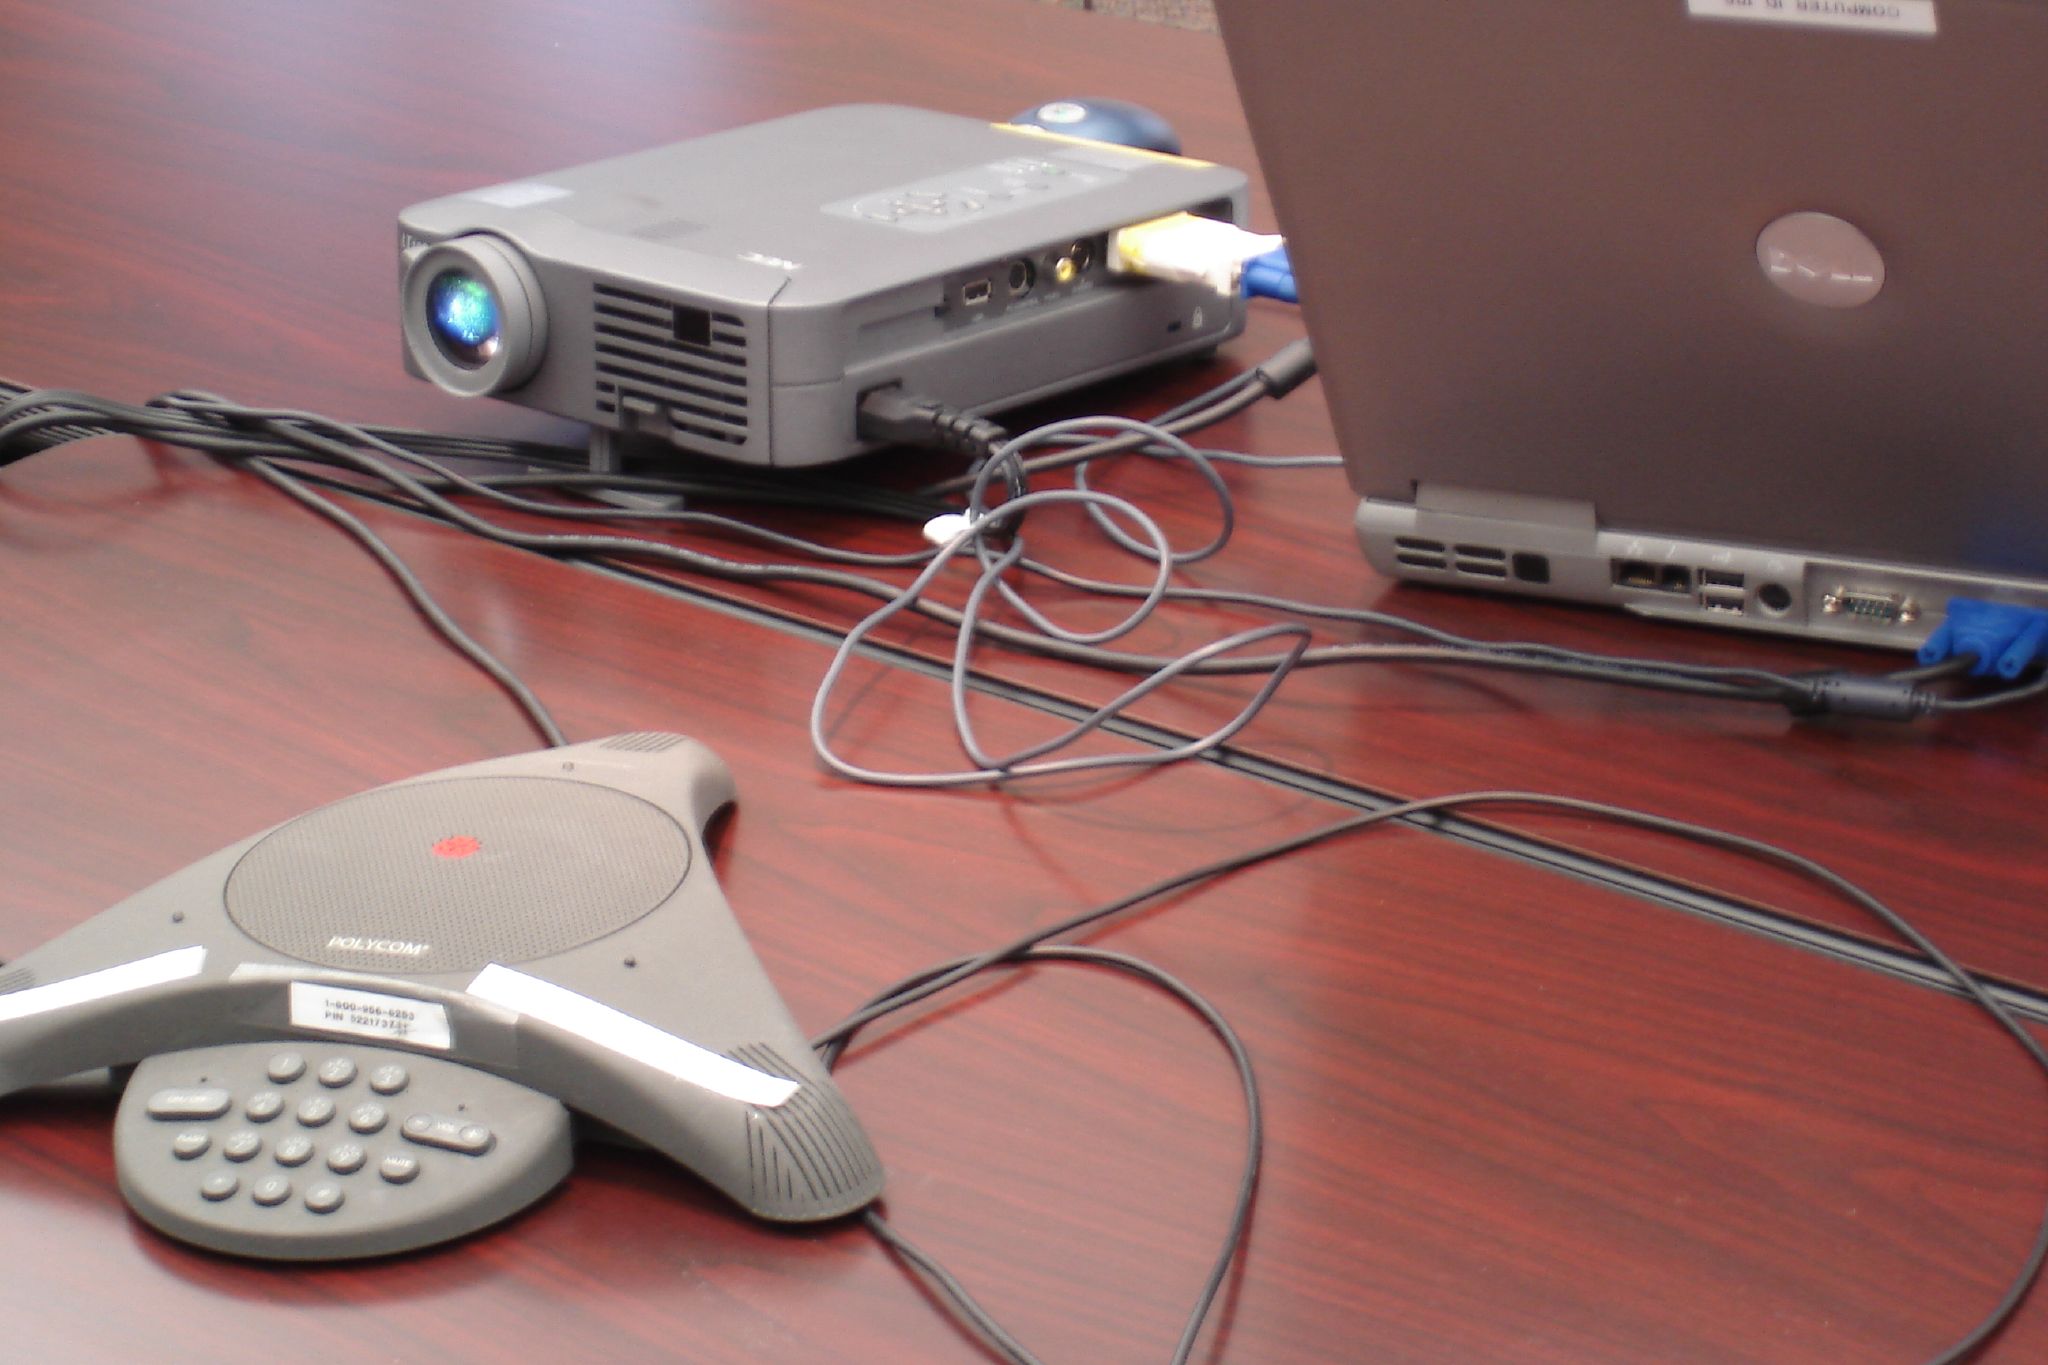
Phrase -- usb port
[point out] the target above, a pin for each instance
(1726, 600)
(975, 291)
(1719, 578)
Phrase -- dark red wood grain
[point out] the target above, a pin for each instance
(1513, 1117)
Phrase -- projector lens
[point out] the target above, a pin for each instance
(474, 320)
(462, 315)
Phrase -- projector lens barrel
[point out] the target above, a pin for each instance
(473, 315)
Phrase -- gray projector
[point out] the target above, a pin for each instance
(737, 294)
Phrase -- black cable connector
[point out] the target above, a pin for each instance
(1869, 696)
(897, 417)
(1288, 368)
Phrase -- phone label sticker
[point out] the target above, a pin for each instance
(1913, 18)
(367, 1014)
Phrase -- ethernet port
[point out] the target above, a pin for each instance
(1641, 573)
(1634, 573)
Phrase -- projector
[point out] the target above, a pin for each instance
(736, 295)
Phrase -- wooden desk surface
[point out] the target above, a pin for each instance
(1514, 1116)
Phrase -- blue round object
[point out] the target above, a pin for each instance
(1105, 120)
(463, 317)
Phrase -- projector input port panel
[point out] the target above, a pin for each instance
(1037, 278)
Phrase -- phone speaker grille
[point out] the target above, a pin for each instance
(809, 1150)
(643, 742)
(447, 876)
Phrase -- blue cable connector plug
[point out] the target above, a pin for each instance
(2004, 638)
(1271, 276)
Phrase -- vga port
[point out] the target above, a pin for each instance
(1879, 608)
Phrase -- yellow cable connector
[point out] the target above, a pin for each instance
(1188, 249)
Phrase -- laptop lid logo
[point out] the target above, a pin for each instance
(1820, 259)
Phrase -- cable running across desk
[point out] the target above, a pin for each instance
(932, 981)
(34, 420)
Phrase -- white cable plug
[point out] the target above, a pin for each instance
(1187, 249)
(947, 527)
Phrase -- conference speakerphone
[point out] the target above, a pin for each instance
(736, 295)
(364, 1030)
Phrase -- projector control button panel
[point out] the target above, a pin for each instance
(237, 1148)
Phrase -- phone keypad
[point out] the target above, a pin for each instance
(330, 1150)
(314, 1111)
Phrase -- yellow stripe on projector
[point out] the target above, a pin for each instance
(1033, 130)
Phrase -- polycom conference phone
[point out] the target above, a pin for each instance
(365, 1030)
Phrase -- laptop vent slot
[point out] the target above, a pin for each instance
(660, 356)
(1480, 561)
(1415, 553)
(1473, 561)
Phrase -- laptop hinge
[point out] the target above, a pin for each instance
(1527, 509)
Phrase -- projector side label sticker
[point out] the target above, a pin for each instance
(1910, 18)
(518, 194)
(367, 1014)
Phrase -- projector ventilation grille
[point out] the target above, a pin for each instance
(659, 357)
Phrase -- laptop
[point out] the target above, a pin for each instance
(1720, 310)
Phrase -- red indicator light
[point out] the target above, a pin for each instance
(457, 846)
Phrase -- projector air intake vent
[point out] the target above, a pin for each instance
(660, 358)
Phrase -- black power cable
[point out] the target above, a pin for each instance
(1240, 1215)
(945, 976)
(34, 419)
(1277, 376)
(416, 591)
